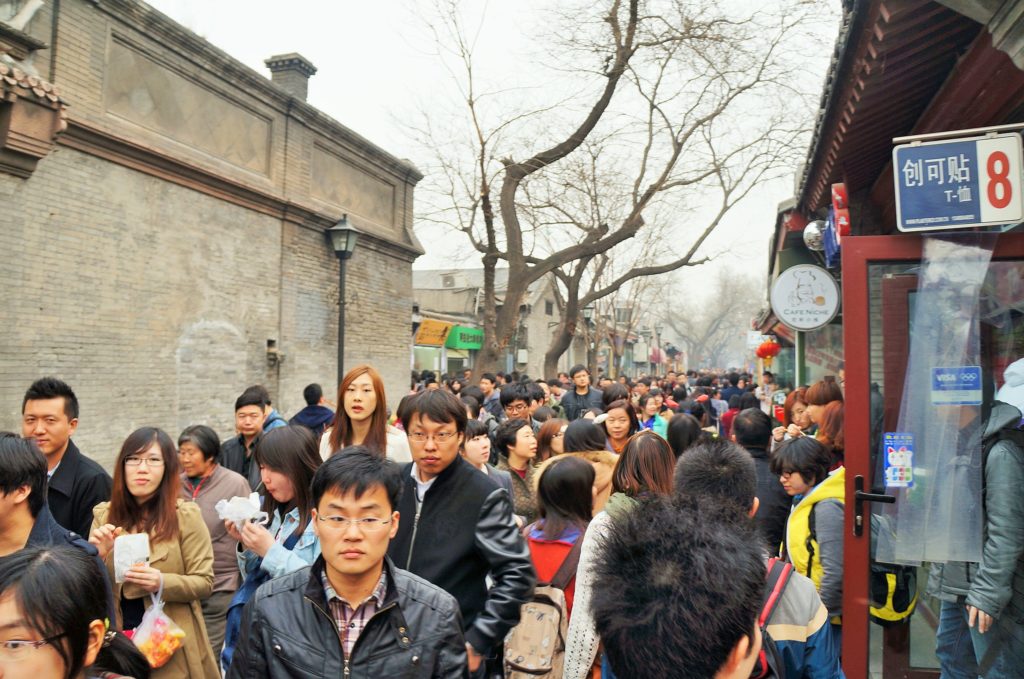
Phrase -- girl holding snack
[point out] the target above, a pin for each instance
(144, 500)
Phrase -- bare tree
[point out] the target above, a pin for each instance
(684, 111)
(713, 329)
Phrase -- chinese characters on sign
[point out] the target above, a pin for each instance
(958, 184)
(805, 297)
(899, 459)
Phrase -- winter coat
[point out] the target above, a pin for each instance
(397, 445)
(78, 484)
(461, 533)
(773, 502)
(187, 567)
(316, 418)
(288, 632)
(524, 495)
(820, 558)
(576, 405)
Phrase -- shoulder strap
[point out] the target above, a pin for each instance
(778, 577)
(567, 571)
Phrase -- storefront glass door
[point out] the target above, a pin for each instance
(880, 298)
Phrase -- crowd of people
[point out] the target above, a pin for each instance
(415, 543)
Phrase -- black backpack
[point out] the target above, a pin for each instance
(769, 661)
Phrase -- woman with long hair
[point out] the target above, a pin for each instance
(831, 432)
(645, 469)
(620, 422)
(796, 421)
(551, 439)
(53, 619)
(683, 431)
(819, 395)
(362, 418)
(288, 458)
(144, 499)
(586, 440)
(564, 507)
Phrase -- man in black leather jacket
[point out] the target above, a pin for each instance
(352, 614)
(458, 528)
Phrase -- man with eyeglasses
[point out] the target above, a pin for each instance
(458, 527)
(308, 623)
(518, 404)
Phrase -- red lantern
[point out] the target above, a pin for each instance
(768, 350)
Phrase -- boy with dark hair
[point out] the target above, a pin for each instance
(355, 517)
(752, 429)
(720, 476)
(236, 452)
(49, 416)
(26, 520)
(271, 418)
(458, 530)
(518, 404)
(582, 398)
(316, 416)
(492, 398)
(677, 594)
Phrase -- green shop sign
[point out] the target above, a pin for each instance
(462, 337)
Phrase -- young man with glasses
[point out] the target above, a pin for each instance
(458, 529)
(353, 613)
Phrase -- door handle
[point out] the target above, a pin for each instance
(859, 498)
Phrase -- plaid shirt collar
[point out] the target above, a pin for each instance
(378, 593)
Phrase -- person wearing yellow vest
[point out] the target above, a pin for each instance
(813, 542)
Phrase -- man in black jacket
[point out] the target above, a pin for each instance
(49, 416)
(353, 614)
(458, 526)
(752, 429)
(582, 398)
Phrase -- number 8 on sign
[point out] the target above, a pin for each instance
(1000, 164)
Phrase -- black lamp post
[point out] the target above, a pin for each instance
(343, 239)
(588, 316)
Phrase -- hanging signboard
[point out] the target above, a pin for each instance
(805, 297)
(432, 333)
(959, 183)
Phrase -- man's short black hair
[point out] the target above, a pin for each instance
(21, 464)
(675, 590)
(514, 392)
(752, 428)
(255, 395)
(437, 405)
(490, 377)
(717, 471)
(534, 392)
(472, 405)
(312, 394)
(646, 381)
(579, 367)
(749, 400)
(355, 469)
(46, 388)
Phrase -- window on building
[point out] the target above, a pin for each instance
(549, 308)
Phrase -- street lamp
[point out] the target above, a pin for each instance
(588, 312)
(657, 333)
(343, 239)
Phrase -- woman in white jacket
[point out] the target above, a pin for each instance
(362, 418)
(645, 468)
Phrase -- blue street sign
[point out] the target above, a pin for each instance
(958, 184)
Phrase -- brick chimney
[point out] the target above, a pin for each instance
(291, 73)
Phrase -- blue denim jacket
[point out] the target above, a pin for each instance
(279, 561)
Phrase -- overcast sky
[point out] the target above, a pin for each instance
(377, 71)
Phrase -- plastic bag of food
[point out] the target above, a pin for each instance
(157, 636)
(241, 510)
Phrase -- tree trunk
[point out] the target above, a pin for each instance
(560, 343)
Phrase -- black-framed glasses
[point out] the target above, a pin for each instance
(19, 649)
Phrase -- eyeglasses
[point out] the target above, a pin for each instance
(139, 461)
(365, 525)
(440, 437)
(15, 650)
(521, 408)
(787, 473)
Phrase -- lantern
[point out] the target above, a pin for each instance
(768, 350)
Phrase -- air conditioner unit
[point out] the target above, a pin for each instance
(448, 281)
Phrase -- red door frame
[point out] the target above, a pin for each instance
(857, 253)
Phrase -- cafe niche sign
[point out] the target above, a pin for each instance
(805, 297)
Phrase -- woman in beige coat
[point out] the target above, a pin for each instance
(586, 440)
(144, 499)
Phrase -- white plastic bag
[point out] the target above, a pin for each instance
(241, 510)
(129, 550)
(157, 636)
